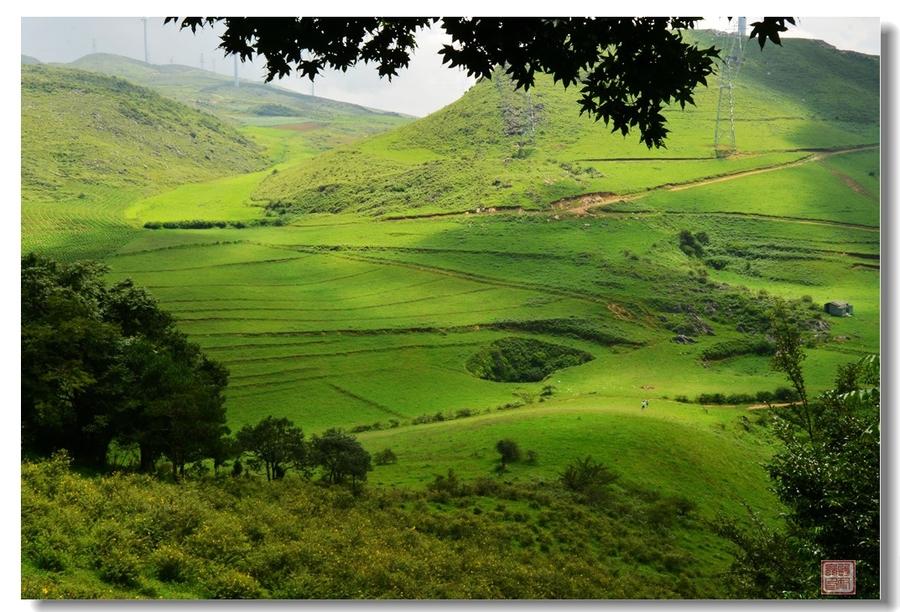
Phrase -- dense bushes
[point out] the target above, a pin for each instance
(124, 536)
(781, 394)
(692, 245)
(206, 224)
(741, 346)
(580, 329)
(523, 360)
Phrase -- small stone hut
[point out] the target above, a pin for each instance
(839, 309)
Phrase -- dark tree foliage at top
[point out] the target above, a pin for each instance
(629, 69)
(103, 363)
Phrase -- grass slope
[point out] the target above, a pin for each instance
(291, 127)
(496, 147)
(90, 143)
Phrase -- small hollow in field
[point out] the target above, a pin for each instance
(523, 360)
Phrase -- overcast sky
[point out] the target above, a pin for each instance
(424, 87)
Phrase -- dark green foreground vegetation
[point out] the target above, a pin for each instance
(127, 535)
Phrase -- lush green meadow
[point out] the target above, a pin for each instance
(401, 254)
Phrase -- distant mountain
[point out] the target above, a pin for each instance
(81, 129)
(498, 147)
(27, 59)
(250, 102)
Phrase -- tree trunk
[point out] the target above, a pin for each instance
(146, 460)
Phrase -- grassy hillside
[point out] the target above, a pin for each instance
(291, 127)
(91, 143)
(496, 147)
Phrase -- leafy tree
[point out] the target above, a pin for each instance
(509, 451)
(627, 69)
(788, 358)
(71, 382)
(587, 477)
(101, 363)
(341, 456)
(276, 443)
(829, 482)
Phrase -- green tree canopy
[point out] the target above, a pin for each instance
(103, 363)
(341, 456)
(277, 443)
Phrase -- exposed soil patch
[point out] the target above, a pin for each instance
(850, 182)
(620, 312)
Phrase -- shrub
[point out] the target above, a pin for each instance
(785, 394)
(689, 244)
(765, 397)
(734, 348)
(119, 567)
(227, 583)
(587, 477)
(385, 457)
(448, 485)
(509, 451)
(172, 564)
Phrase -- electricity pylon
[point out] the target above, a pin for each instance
(724, 142)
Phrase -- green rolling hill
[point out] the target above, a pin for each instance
(90, 143)
(496, 147)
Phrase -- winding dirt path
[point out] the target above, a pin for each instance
(584, 204)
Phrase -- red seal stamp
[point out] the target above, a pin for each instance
(838, 577)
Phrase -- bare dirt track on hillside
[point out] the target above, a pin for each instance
(587, 203)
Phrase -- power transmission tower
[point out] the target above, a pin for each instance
(237, 83)
(93, 45)
(146, 52)
(724, 141)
